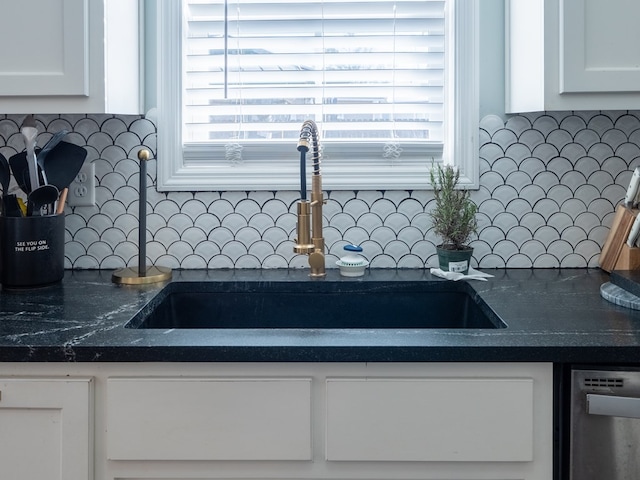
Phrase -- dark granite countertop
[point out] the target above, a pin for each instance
(552, 316)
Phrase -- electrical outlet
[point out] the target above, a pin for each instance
(82, 191)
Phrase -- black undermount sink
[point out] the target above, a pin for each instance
(316, 305)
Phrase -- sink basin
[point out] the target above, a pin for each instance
(316, 305)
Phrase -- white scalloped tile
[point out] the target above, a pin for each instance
(383, 207)
(491, 235)
(532, 139)
(546, 261)
(248, 235)
(533, 248)
(505, 194)
(206, 249)
(532, 194)
(519, 260)
(234, 250)
(587, 138)
(506, 249)
(490, 181)
(614, 138)
(560, 221)
(113, 236)
(383, 261)
(396, 221)
(559, 139)
(165, 236)
(561, 250)
(180, 250)
(179, 222)
(233, 222)
(74, 249)
(505, 221)
(247, 208)
(491, 123)
(518, 152)
(532, 166)
(207, 222)
(193, 236)
(560, 194)
(600, 179)
(490, 152)
(559, 166)
(519, 207)
(220, 208)
(533, 221)
(545, 124)
(545, 153)
(518, 235)
(154, 223)
(504, 138)
(574, 235)
(410, 207)
(600, 123)
(518, 124)
(600, 151)
(342, 221)
(358, 235)
(600, 207)
(193, 208)
(86, 236)
(369, 221)
(275, 208)
(573, 124)
(616, 166)
(591, 223)
(505, 166)
(614, 193)
(546, 235)
(126, 251)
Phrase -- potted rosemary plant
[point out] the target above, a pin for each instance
(454, 219)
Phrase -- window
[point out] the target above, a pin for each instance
(391, 84)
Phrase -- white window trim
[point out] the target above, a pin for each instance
(174, 174)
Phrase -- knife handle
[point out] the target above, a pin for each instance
(631, 198)
(634, 233)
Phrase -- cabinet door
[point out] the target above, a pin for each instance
(45, 48)
(599, 46)
(209, 419)
(430, 419)
(45, 429)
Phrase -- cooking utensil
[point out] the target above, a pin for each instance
(63, 163)
(61, 200)
(41, 196)
(11, 206)
(51, 144)
(5, 174)
(30, 134)
(20, 169)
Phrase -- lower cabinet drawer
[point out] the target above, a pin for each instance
(430, 419)
(209, 418)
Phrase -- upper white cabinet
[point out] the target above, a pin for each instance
(70, 56)
(572, 55)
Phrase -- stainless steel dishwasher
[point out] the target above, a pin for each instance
(605, 424)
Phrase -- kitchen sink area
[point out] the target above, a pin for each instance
(316, 305)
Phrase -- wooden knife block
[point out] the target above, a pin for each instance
(616, 254)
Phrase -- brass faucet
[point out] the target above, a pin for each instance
(308, 242)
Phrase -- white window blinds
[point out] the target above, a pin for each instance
(367, 71)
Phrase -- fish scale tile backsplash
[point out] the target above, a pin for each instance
(549, 184)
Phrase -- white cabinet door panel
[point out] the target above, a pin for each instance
(600, 46)
(45, 48)
(46, 429)
(430, 419)
(208, 419)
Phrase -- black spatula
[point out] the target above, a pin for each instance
(63, 164)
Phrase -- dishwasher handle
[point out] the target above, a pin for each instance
(612, 406)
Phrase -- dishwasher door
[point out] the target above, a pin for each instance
(605, 424)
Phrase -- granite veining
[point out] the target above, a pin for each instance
(551, 315)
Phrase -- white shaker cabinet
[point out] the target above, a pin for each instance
(572, 55)
(46, 428)
(70, 56)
